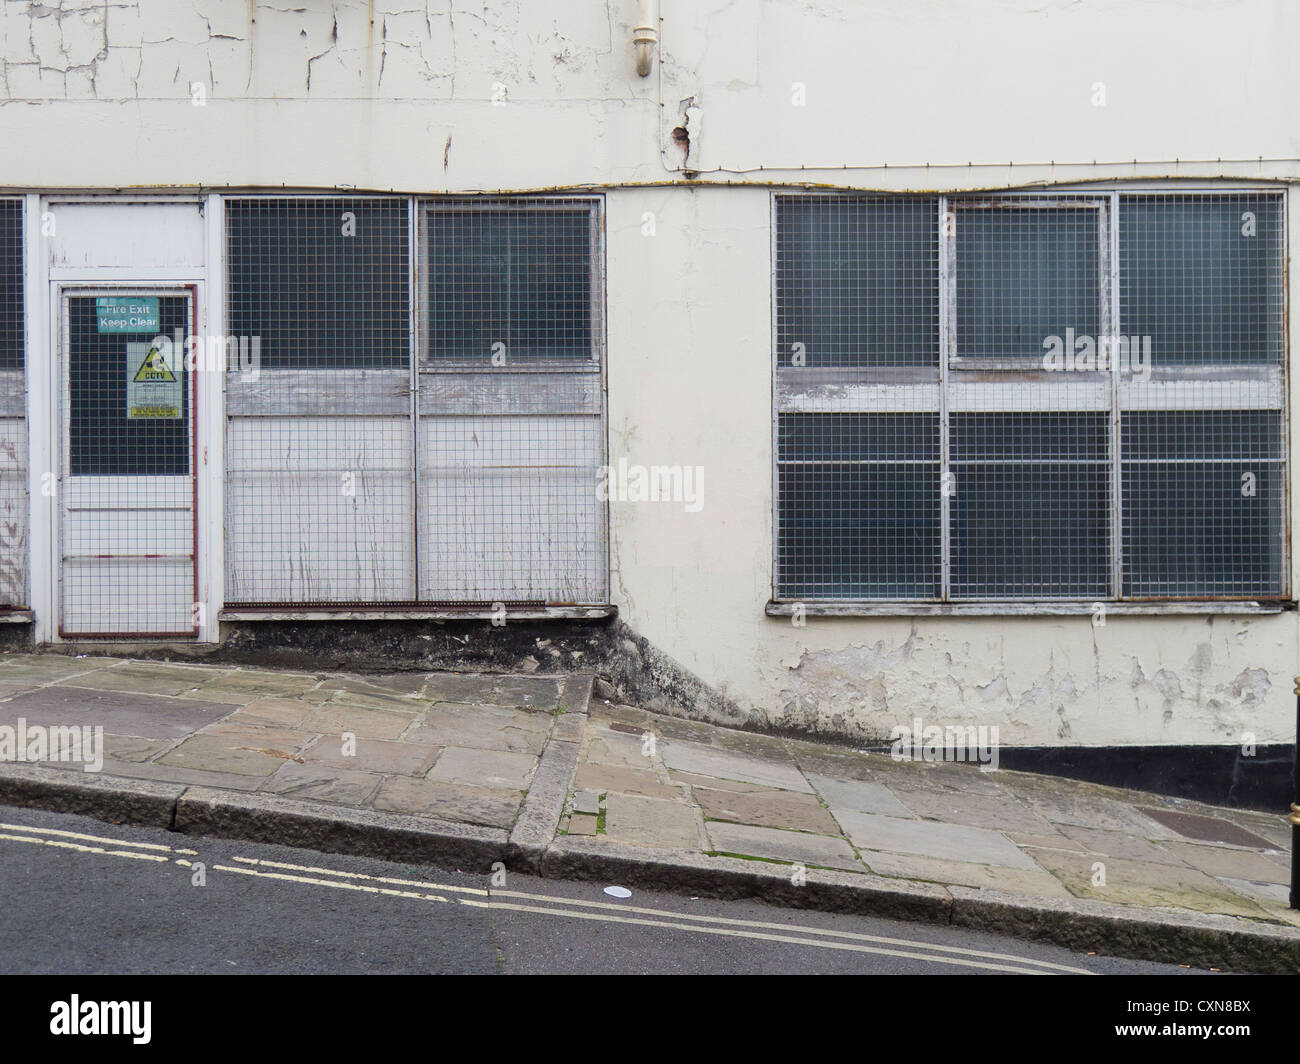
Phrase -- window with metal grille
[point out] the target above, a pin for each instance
(13, 412)
(322, 282)
(1075, 396)
(511, 413)
(320, 501)
(509, 281)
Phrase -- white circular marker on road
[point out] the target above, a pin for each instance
(618, 892)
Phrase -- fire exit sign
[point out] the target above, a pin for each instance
(116, 314)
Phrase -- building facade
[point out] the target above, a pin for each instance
(857, 363)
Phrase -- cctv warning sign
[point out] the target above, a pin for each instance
(153, 387)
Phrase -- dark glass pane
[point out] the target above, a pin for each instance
(859, 506)
(1025, 274)
(518, 277)
(1202, 276)
(1030, 513)
(11, 284)
(857, 280)
(322, 282)
(1204, 497)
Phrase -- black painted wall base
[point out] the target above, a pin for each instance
(1220, 775)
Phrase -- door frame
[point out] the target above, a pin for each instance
(96, 283)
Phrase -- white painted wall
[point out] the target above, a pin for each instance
(926, 95)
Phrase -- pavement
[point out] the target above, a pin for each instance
(532, 774)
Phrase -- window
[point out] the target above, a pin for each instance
(511, 410)
(1030, 397)
(13, 410)
(323, 283)
(11, 284)
(358, 475)
(320, 497)
(509, 279)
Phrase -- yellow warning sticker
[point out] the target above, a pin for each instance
(153, 388)
(154, 367)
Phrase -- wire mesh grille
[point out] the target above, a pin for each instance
(859, 514)
(127, 502)
(320, 510)
(856, 281)
(1030, 505)
(510, 282)
(509, 461)
(1024, 274)
(320, 447)
(510, 510)
(1034, 497)
(13, 423)
(1203, 503)
(322, 489)
(1202, 276)
(323, 282)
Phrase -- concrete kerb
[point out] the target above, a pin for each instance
(336, 829)
(115, 800)
(539, 818)
(1178, 937)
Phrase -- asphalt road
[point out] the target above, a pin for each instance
(85, 897)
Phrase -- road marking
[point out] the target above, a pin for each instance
(88, 838)
(801, 929)
(736, 933)
(60, 844)
(329, 883)
(562, 906)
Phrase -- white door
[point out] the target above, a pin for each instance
(127, 562)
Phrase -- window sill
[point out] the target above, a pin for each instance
(406, 613)
(1019, 609)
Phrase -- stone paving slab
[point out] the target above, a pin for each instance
(799, 847)
(708, 761)
(859, 796)
(955, 842)
(492, 806)
(122, 713)
(767, 808)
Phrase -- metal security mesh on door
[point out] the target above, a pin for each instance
(127, 488)
(13, 423)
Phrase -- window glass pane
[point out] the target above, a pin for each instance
(322, 282)
(521, 277)
(857, 281)
(1202, 276)
(1030, 515)
(104, 439)
(1024, 274)
(1203, 503)
(859, 506)
(11, 284)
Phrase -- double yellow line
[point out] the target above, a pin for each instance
(548, 905)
